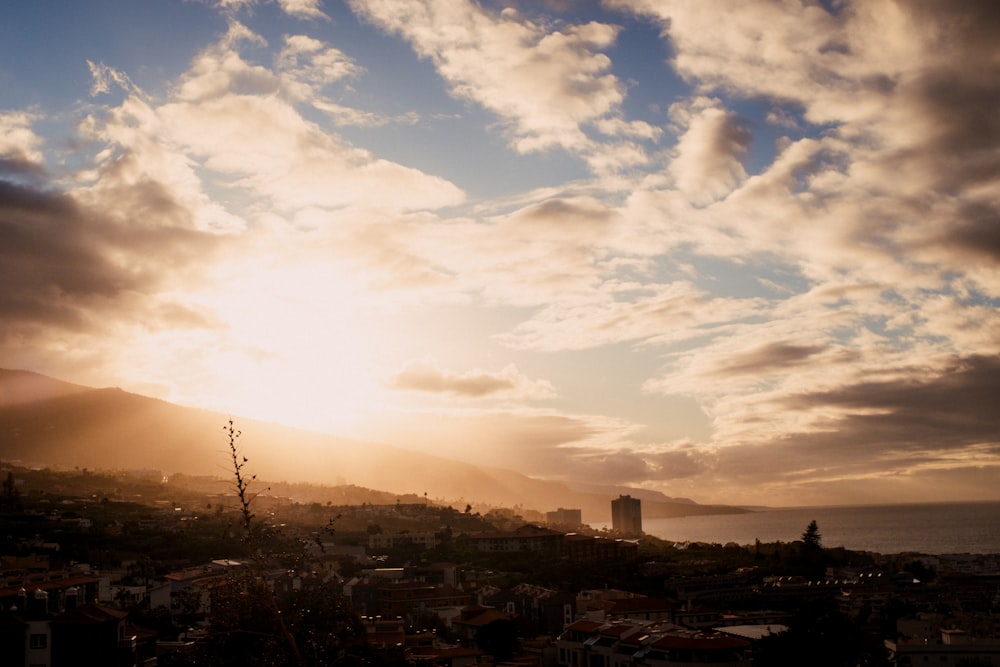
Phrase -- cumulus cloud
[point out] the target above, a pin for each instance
(423, 376)
(549, 84)
(881, 438)
(19, 144)
(812, 263)
(885, 216)
(305, 9)
(240, 119)
(72, 271)
(707, 164)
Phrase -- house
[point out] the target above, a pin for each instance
(380, 542)
(190, 589)
(643, 608)
(473, 618)
(565, 517)
(631, 642)
(952, 649)
(445, 656)
(397, 599)
(589, 548)
(539, 610)
(526, 538)
(74, 635)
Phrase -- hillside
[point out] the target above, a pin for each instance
(62, 425)
(19, 387)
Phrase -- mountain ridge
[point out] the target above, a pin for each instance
(109, 428)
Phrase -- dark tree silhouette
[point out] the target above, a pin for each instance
(812, 558)
(811, 538)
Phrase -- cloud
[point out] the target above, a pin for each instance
(308, 63)
(303, 9)
(104, 77)
(19, 145)
(880, 439)
(780, 355)
(707, 164)
(812, 264)
(422, 376)
(549, 84)
(623, 311)
(73, 272)
(242, 122)
(949, 405)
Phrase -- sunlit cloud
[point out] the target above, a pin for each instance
(797, 235)
(19, 144)
(423, 376)
(549, 84)
(304, 9)
(707, 164)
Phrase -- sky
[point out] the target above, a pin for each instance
(742, 253)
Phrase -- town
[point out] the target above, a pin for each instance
(132, 569)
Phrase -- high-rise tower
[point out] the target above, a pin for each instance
(626, 515)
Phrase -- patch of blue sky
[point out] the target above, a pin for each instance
(770, 123)
(471, 149)
(955, 287)
(640, 60)
(732, 278)
(146, 40)
(420, 124)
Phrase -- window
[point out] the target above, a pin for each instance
(38, 641)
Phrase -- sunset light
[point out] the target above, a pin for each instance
(739, 252)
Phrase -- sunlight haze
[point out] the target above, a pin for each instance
(743, 253)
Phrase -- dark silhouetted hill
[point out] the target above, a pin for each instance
(50, 423)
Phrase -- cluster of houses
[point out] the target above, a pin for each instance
(53, 617)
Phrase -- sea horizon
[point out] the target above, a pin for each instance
(926, 527)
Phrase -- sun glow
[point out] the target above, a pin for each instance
(297, 345)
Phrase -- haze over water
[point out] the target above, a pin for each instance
(926, 528)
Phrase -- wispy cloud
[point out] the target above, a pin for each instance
(423, 376)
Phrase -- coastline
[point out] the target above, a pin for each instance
(926, 528)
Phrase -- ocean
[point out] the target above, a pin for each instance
(938, 528)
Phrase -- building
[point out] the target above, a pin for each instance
(381, 542)
(630, 642)
(952, 649)
(538, 610)
(526, 538)
(68, 633)
(386, 599)
(586, 548)
(626, 515)
(564, 517)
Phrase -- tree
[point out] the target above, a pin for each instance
(498, 638)
(812, 538)
(812, 559)
(251, 624)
